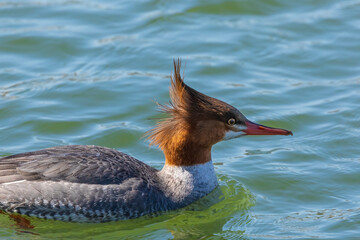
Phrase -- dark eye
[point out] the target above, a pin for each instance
(231, 121)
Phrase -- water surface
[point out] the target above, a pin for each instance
(89, 72)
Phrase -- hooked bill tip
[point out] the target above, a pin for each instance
(289, 133)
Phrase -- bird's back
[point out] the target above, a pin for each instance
(80, 183)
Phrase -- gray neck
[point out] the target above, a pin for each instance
(186, 184)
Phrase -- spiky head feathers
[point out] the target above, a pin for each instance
(189, 110)
(197, 122)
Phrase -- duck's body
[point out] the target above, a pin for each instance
(96, 184)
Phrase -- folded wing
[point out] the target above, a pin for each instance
(75, 163)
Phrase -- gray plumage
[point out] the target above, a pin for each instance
(75, 163)
(94, 184)
(79, 183)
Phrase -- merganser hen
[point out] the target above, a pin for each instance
(98, 184)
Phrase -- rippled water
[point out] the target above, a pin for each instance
(88, 72)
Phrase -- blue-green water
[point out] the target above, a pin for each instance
(88, 72)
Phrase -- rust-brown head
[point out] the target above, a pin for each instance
(197, 122)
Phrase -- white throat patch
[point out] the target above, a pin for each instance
(188, 182)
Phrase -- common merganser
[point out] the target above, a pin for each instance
(99, 184)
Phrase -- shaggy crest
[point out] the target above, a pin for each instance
(186, 108)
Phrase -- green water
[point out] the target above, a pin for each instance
(88, 72)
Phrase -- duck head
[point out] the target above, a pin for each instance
(196, 122)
